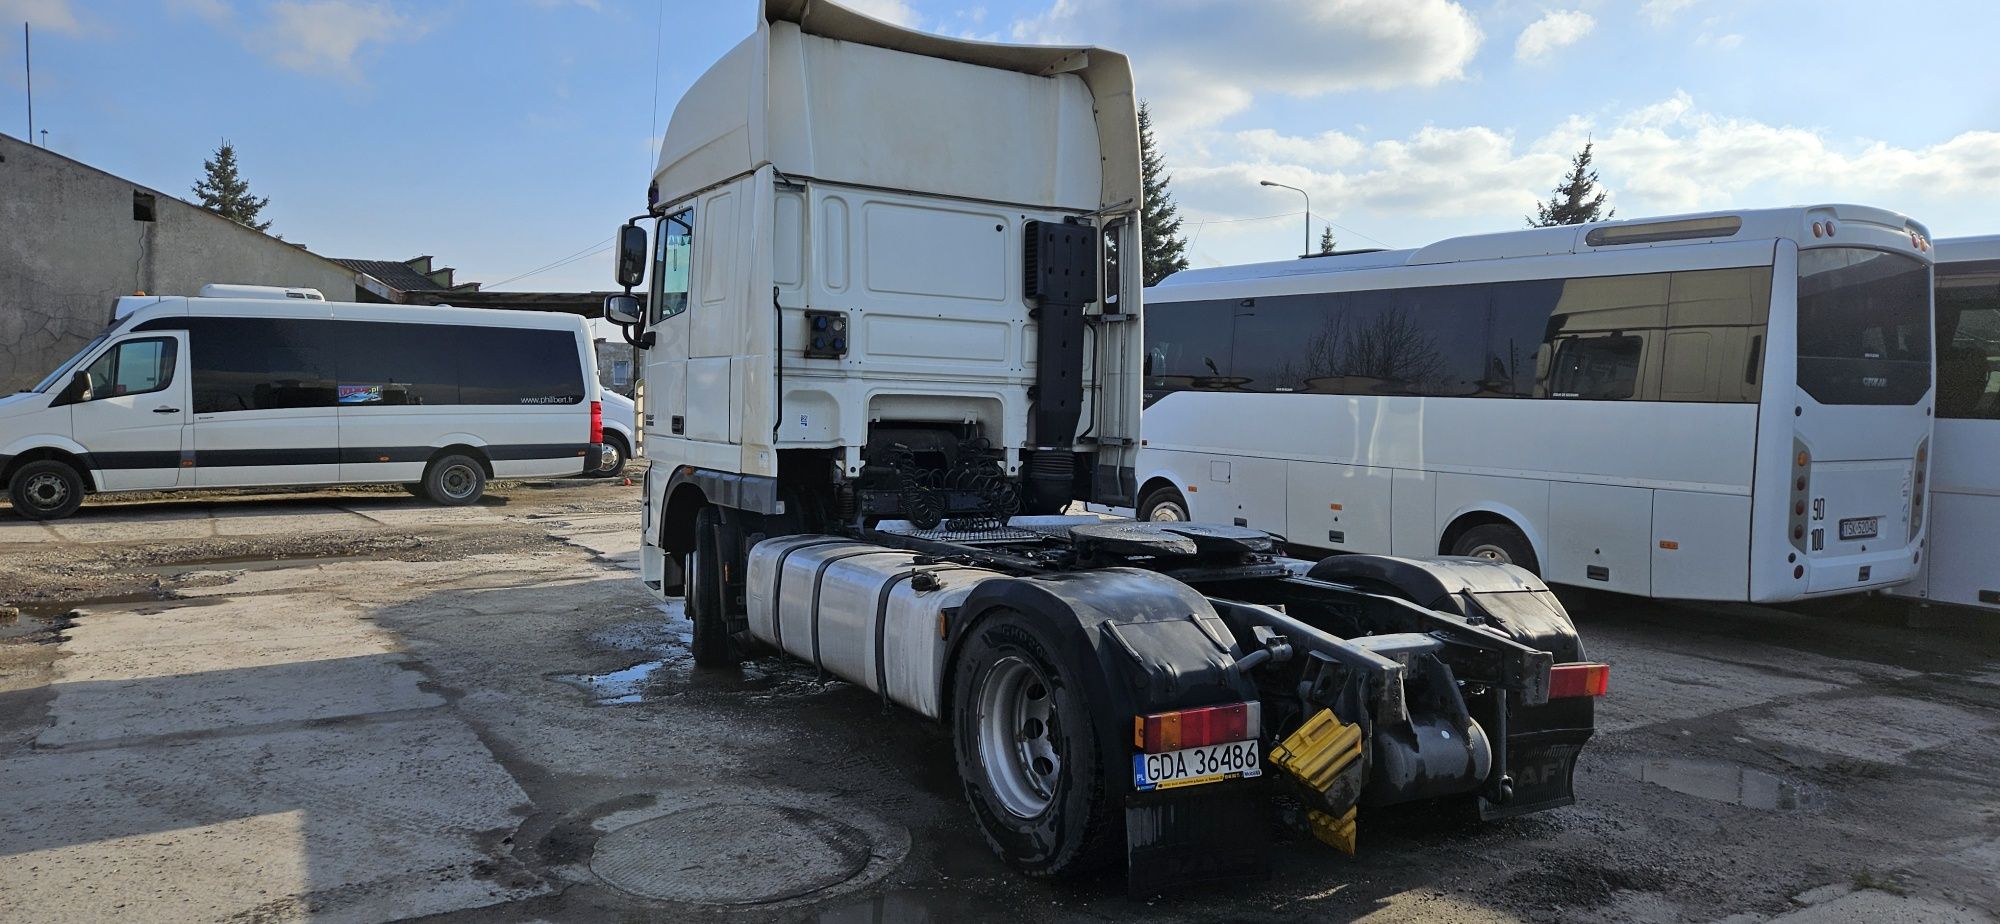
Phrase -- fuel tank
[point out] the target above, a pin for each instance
(868, 614)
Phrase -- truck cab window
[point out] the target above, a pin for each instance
(134, 367)
(673, 255)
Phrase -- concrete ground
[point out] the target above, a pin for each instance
(351, 706)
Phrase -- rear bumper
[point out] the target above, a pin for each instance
(593, 456)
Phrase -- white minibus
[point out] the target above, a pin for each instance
(1726, 406)
(203, 392)
(1962, 562)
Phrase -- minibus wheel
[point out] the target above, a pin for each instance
(615, 454)
(455, 481)
(46, 489)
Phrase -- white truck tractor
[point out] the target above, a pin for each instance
(892, 334)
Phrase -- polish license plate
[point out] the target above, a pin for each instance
(1859, 528)
(1193, 766)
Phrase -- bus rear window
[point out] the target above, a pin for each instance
(1864, 326)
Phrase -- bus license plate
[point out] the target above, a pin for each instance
(1193, 766)
(1858, 528)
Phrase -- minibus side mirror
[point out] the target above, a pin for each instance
(623, 308)
(77, 390)
(631, 255)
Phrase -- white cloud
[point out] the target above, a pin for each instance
(1661, 12)
(52, 15)
(212, 10)
(1557, 29)
(1725, 42)
(1666, 157)
(892, 11)
(1200, 61)
(326, 36)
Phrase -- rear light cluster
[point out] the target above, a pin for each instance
(1194, 728)
(1823, 228)
(1583, 678)
(1918, 488)
(1801, 480)
(1919, 241)
(597, 421)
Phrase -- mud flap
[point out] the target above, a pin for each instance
(1542, 745)
(1198, 837)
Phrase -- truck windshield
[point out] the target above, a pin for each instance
(1864, 326)
(62, 372)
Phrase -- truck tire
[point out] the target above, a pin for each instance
(1164, 505)
(454, 480)
(45, 489)
(1028, 751)
(710, 642)
(1497, 542)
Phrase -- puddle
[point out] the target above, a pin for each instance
(668, 669)
(252, 563)
(1722, 781)
(50, 617)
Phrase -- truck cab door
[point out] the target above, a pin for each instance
(131, 413)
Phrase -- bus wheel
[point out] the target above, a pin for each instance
(1497, 542)
(1164, 505)
(710, 642)
(1027, 750)
(455, 481)
(46, 489)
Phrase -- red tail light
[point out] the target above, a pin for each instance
(1193, 728)
(1580, 679)
(597, 421)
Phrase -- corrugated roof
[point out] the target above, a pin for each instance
(395, 274)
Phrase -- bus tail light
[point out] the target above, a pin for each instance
(1567, 681)
(597, 421)
(1918, 489)
(1193, 728)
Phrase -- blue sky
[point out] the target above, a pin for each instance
(503, 136)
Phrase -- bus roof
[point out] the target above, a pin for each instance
(1961, 249)
(136, 309)
(1663, 231)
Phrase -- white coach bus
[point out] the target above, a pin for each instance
(1728, 406)
(283, 389)
(1962, 563)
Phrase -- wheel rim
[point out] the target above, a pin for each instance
(1017, 743)
(611, 457)
(1490, 552)
(1167, 513)
(46, 490)
(457, 482)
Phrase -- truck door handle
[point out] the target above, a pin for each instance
(166, 410)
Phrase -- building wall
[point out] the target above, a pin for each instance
(70, 245)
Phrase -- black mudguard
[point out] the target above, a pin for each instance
(1537, 739)
(1141, 643)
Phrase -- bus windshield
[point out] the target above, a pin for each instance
(62, 372)
(1864, 326)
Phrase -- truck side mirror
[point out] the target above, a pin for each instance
(631, 255)
(623, 308)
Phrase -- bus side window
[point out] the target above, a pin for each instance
(1968, 333)
(1597, 368)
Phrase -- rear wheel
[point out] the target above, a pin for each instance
(1027, 750)
(455, 481)
(616, 453)
(1164, 505)
(46, 489)
(710, 643)
(1497, 542)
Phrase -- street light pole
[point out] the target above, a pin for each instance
(1309, 213)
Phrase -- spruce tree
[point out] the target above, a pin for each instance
(225, 193)
(1326, 241)
(1577, 201)
(1159, 221)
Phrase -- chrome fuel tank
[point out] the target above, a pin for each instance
(865, 613)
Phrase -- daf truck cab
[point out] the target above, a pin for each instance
(892, 334)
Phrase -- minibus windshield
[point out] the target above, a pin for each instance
(62, 372)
